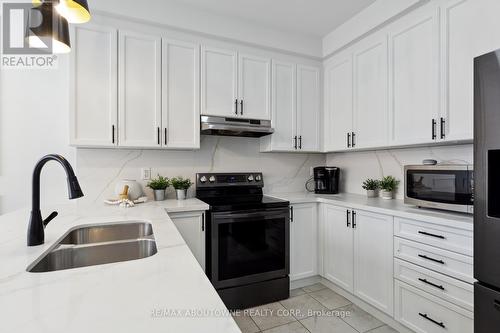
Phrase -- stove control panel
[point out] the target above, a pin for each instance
(229, 179)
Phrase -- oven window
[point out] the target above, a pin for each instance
(251, 247)
(451, 187)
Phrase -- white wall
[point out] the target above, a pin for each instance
(357, 166)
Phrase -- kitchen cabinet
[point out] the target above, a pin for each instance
(94, 86)
(303, 241)
(191, 226)
(235, 85)
(139, 89)
(295, 109)
(180, 95)
(414, 78)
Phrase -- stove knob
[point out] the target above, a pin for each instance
(211, 179)
(258, 178)
(203, 179)
(250, 178)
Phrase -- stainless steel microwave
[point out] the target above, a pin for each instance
(449, 187)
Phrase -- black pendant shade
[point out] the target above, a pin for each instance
(47, 28)
(75, 11)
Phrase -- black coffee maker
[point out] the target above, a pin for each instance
(326, 180)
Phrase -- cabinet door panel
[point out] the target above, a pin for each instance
(371, 121)
(219, 82)
(338, 254)
(181, 107)
(338, 100)
(308, 115)
(254, 87)
(373, 260)
(192, 229)
(414, 86)
(94, 86)
(139, 89)
(303, 240)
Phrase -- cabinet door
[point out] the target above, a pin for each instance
(283, 107)
(139, 90)
(370, 121)
(180, 95)
(219, 78)
(373, 259)
(254, 87)
(414, 79)
(338, 100)
(303, 241)
(338, 247)
(308, 115)
(470, 29)
(94, 86)
(191, 226)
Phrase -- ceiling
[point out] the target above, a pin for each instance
(311, 17)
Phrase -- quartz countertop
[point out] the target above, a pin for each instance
(393, 207)
(132, 296)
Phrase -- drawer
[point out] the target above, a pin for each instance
(425, 313)
(439, 260)
(444, 237)
(445, 287)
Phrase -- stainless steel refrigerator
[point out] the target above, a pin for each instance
(487, 193)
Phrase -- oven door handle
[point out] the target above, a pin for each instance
(266, 215)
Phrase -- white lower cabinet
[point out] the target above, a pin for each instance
(303, 241)
(191, 226)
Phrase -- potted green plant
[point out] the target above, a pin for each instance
(371, 186)
(181, 186)
(159, 185)
(388, 184)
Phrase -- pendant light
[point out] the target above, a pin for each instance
(75, 11)
(52, 30)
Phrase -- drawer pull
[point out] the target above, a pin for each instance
(424, 315)
(431, 259)
(431, 235)
(431, 284)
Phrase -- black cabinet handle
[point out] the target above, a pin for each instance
(431, 235)
(353, 142)
(348, 217)
(443, 128)
(236, 106)
(431, 284)
(348, 140)
(300, 142)
(113, 134)
(354, 219)
(431, 259)
(241, 107)
(203, 222)
(433, 129)
(165, 139)
(295, 142)
(424, 315)
(158, 134)
(291, 213)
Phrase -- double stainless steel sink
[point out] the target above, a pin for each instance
(98, 244)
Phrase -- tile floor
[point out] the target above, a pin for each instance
(311, 309)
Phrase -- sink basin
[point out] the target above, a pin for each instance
(98, 244)
(107, 233)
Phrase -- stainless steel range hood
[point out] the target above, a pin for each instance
(225, 126)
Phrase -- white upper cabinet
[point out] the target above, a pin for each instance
(139, 90)
(470, 28)
(370, 116)
(219, 82)
(303, 241)
(308, 112)
(338, 101)
(94, 86)
(180, 95)
(254, 87)
(414, 72)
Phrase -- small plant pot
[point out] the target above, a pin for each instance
(387, 195)
(371, 193)
(159, 195)
(181, 194)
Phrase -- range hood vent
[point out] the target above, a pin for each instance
(224, 126)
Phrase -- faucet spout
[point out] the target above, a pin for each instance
(36, 235)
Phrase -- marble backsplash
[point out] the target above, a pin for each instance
(357, 166)
(98, 170)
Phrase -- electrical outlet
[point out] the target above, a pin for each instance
(146, 173)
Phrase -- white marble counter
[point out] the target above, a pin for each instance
(118, 297)
(178, 206)
(378, 205)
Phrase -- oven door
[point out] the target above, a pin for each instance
(249, 246)
(439, 187)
